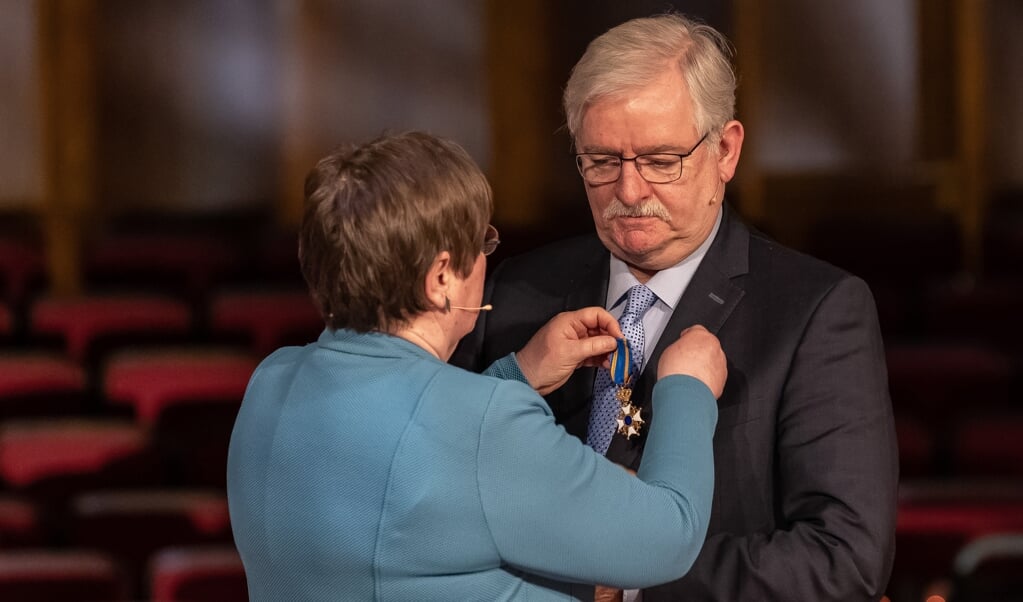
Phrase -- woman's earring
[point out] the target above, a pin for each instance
(447, 305)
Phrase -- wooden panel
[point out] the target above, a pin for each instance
(67, 39)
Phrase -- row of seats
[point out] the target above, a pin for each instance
(981, 445)
(957, 408)
(127, 503)
(186, 256)
(126, 523)
(959, 308)
(85, 325)
(116, 407)
(89, 505)
(173, 574)
(959, 540)
(143, 379)
(115, 416)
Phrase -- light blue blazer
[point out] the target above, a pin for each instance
(361, 467)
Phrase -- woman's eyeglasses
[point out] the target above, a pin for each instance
(490, 240)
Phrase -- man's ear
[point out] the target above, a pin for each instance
(729, 149)
(438, 280)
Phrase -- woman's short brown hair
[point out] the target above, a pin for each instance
(376, 216)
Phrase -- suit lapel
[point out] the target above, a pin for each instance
(592, 279)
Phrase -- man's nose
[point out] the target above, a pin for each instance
(631, 187)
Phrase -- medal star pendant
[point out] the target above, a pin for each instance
(629, 420)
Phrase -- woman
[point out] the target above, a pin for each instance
(365, 467)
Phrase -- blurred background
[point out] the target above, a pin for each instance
(151, 177)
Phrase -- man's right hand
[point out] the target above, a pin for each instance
(696, 353)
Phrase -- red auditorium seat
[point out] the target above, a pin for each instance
(151, 380)
(22, 267)
(938, 380)
(138, 521)
(20, 523)
(936, 519)
(989, 444)
(59, 576)
(265, 319)
(985, 312)
(917, 448)
(276, 257)
(189, 397)
(165, 260)
(6, 323)
(40, 384)
(51, 459)
(91, 323)
(132, 525)
(197, 574)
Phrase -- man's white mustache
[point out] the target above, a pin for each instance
(649, 208)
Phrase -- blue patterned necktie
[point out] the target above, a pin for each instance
(604, 413)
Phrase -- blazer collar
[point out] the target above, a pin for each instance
(715, 289)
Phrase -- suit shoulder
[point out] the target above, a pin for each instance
(772, 258)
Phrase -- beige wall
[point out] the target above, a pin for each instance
(200, 102)
(1006, 77)
(194, 97)
(839, 86)
(20, 152)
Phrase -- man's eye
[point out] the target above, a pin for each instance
(659, 161)
(606, 161)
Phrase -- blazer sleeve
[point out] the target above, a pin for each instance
(507, 368)
(836, 474)
(557, 509)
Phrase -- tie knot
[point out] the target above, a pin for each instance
(640, 299)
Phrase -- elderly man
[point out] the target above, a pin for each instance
(805, 453)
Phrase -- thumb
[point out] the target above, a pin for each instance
(597, 345)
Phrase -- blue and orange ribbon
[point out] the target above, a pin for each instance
(621, 364)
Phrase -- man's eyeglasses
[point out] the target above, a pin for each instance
(656, 168)
(490, 240)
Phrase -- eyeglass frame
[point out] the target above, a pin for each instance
(490, 242)
(621, 163)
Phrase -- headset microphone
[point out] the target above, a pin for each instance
(486, 307)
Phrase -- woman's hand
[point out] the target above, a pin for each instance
(696, 353)
(569, 340)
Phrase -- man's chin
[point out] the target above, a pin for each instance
(638, 247)
(642, 257)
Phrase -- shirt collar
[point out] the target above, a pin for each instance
(668, 284)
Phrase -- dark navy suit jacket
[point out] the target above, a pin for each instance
(805, 455)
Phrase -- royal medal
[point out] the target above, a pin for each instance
(629, 420)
